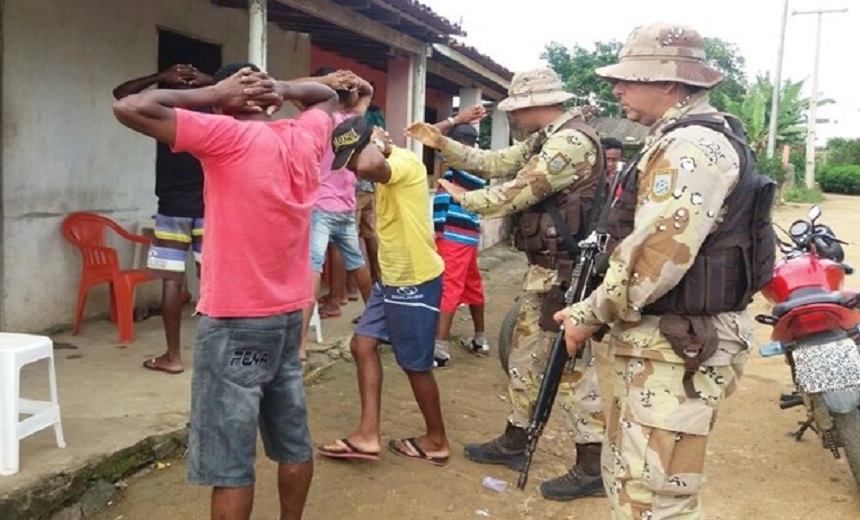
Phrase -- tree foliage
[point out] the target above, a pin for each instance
(576, 67)
(726, 57)
(842, 151)
(755, 106)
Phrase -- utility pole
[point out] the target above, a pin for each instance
(809, 176)
(777, 85)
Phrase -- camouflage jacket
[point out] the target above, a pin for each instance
(689, 173)
(548, 161)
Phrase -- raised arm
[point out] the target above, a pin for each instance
(565, 161)
(308, 94)
(469, 116)
(486, 163)
(177, 76)
(151, 113)
(371, 163)
(364, 91)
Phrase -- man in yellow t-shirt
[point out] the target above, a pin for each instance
(403, 308)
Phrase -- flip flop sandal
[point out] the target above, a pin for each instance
(418, 454)
(349, 451)
(152, 364)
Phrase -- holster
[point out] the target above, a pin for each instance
(553, 301)
(694, 339)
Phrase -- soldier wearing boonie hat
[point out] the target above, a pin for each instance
(559, 165)
(676, 282)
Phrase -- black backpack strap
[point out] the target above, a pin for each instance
(551, 206)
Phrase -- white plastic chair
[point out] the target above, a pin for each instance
(316, 323)
(17, 350)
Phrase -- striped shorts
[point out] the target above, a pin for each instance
(173, 237)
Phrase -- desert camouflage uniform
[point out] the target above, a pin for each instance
(654, 452)
(547, 162)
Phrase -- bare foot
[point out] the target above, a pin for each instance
(329, 310)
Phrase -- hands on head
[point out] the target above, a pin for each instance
(249, 91)
(184, 75)
(431, 135)
(471, 115)
(588, 112)
(347, 81)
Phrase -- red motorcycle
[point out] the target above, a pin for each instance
(815, 326)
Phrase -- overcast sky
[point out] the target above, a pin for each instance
(515, 36)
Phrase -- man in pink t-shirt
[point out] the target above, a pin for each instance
(261, 179)
(333, 217)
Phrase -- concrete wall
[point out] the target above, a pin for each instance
(63, 150)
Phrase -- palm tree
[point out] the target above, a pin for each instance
(754, 111)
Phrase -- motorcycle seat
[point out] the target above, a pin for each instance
(834, 297)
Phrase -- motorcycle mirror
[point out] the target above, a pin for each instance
(814, 213)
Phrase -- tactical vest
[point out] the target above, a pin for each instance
(550, 230)
(736, 259)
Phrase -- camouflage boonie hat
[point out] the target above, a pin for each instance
(534, 88)
(663, 52)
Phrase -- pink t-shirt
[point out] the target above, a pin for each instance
(337, 187)
(261, 183)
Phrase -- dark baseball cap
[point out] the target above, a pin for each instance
(463, 132)
(349, 138)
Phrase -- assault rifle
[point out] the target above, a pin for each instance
(581, 284)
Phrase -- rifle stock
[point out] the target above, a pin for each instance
(582, 283)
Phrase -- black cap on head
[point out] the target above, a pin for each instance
(232, 68)
(611, 143)
(349, 138)
(463, 133)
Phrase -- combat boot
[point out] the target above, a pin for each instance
(508, 449)
(583, 479)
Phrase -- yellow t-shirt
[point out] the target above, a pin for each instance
(407, 251)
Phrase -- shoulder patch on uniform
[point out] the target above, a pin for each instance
(663, 182)
(557, 163)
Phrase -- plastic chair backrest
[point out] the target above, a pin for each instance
(88, 231)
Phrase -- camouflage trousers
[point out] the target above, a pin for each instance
(654, 453)
(579, 393)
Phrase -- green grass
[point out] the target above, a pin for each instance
(799, 193)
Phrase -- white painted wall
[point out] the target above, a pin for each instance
(62, 149)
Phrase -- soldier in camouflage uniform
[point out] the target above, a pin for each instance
(553, 158)
(658, 427)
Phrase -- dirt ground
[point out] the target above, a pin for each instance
(755, 471)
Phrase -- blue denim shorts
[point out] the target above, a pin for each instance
(247, 372)
(407, 318)
(340, 229)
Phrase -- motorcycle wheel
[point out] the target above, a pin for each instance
(506, 333)
(848, 429)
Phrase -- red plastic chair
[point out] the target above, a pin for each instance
(88, 231)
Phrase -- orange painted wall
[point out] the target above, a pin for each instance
(322, 58)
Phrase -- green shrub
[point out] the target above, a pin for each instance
(772, 167)
(840, 179)
(799, 193)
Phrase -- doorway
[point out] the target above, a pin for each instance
(176, 48)
(429, 159)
